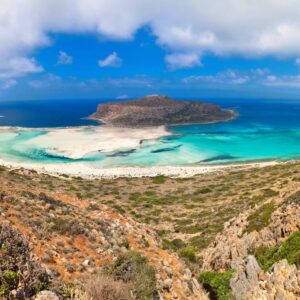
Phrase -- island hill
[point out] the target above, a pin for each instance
(155, 110)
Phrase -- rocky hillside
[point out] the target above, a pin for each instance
(71, 238)
(157, 110)
(231, 235)
(262, 248)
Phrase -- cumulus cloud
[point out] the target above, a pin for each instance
(182, 60)
(64, 58)
(112, 60)
(18, 66)
(252, 28)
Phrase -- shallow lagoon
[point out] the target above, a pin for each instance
(264, 130)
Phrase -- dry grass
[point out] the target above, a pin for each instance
(100, 287)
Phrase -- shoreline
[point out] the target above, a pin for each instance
(234, 116)
(86, 171)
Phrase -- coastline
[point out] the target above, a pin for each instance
(234, 116)
(86, 171)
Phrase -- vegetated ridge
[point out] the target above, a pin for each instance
(231, 235)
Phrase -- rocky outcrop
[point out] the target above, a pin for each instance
(157, 110)
(46, 295)
(234, 243)
(251, 283)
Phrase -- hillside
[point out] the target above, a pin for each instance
(173, 238)
(157, 110)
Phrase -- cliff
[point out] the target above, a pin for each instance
(155, 110)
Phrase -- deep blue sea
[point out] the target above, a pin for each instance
(264, 129)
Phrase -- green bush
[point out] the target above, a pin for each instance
(203, 191)
(294, 198)
(261, 218)
(133, 268)
(160, 179)
(188, 253)
(289, 249)
(217, 284)
(173, 245)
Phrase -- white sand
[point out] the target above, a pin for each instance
(88, 171)
(76, 142)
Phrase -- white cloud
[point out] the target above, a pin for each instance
(297, 61)
(182, 60)
(283, 81)
(7, 84)
(232, 77)
(46, 81)
(122, 97)
(64, 58)
(227, 27)
(18, 66)
(112, 60)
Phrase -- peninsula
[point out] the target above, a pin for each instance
(155, 110)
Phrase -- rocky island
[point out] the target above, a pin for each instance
(155, 110)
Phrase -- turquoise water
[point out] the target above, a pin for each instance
(264, 130)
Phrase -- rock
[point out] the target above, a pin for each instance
(245, 277)
(167, 284)
(169, 271)
(46, 295)
(60, 243)
(281, 283)
(187, 275)
(165, 263)
(47, 258)
(88, 263)
(234, 244)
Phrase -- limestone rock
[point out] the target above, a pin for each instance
(46, 295)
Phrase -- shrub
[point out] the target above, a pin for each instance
(188, 253)
(294, 198)
(18, 270)
(173, 245)
(261, 218)
(160, 179)
(203, 191)
(132, 268)
(217, 284)
(289, 250)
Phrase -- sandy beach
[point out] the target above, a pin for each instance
(86, 171)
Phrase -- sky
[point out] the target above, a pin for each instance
(119, 49)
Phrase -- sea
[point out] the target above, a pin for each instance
(264, 130)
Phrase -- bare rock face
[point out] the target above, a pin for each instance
(233, 244)
(251, 283)
(158, 110)
(245, 277)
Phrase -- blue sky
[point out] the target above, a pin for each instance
(126, 49)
